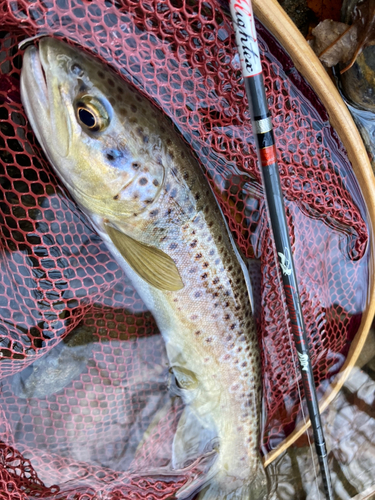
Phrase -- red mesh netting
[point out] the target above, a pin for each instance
(56, 274)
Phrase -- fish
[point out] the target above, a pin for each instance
(143, 191)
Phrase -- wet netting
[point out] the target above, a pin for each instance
(106, 432)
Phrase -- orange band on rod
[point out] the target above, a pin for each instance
(268, 155)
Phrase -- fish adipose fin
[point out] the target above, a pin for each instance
(150, 263)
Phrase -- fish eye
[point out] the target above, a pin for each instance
(91, 114)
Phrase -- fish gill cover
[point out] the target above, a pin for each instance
(56, 274)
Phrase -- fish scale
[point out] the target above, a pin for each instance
(145, 194)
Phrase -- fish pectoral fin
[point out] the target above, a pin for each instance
(194, 437)
(150, 263)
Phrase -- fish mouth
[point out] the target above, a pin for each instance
(34, 93)
(42, 99)
(33, 77)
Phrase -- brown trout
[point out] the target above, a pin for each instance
(146, 196)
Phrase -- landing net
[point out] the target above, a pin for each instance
(56, 274)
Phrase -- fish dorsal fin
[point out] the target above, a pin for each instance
(150, 263)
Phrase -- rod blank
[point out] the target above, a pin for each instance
(243, 21)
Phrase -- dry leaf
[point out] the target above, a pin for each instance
(334, 42)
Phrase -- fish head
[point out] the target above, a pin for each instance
(84, 116)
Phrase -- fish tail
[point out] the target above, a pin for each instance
(223, 486)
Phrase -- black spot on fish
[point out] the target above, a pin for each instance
(133, 108)
(143, 181)
(208, 339)
(135, 165)
(101, 75)
(76, 69)
(198, 332)
(215, 280)
(197, 295)
(173, 246)
(154, 213)
(193, 244)
(198, 256)
(197, 196)
(186, 176)
(204, 276)
(119, 89)
(113, 154)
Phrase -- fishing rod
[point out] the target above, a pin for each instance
(246, 37)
